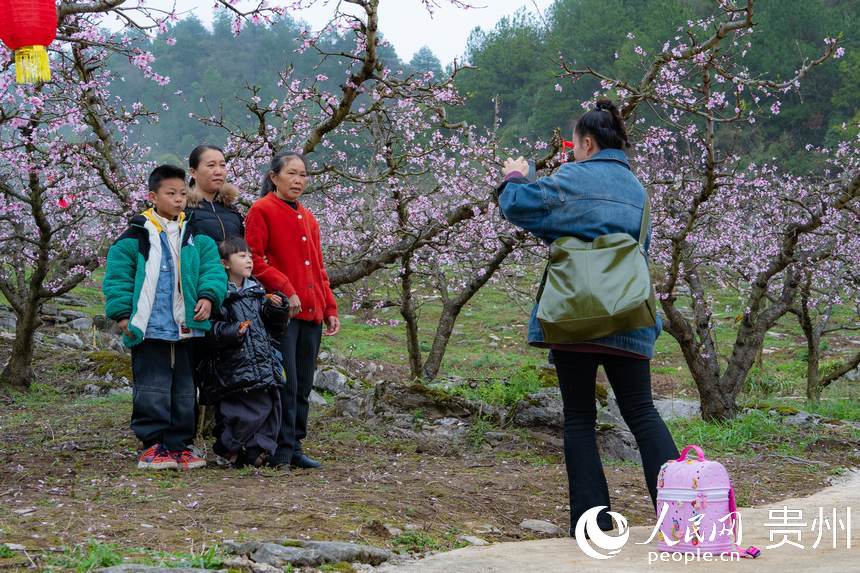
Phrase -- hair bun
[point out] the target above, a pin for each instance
(605, 105)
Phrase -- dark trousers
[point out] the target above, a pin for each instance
(249, 421)
(164, 393)
(631, 381)
(198, 353)
(300, 347)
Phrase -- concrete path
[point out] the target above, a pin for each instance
(564, 555)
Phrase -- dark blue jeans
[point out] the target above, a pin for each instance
(630, 379)
(299, 347)
(164, 394)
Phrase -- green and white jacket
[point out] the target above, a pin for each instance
(131, 276)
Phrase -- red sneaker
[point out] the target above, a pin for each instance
(157, 458)
(186, 460)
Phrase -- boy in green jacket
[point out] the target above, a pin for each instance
(160, 285)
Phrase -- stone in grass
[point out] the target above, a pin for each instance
(336, 551)
(331, 380)
(70, 340)
(316, 399)
(299, 553)
(83, 323)
(542, 527)
(472, 540)
(134, 568)
(488, 528)
(245, 564)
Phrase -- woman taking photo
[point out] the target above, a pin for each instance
(285, 242)
(594, 196)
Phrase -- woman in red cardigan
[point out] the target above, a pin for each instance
(285, 242)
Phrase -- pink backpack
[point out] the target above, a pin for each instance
(696, 507)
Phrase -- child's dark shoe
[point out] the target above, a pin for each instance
(156, 457)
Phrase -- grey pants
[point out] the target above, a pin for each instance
(164, 394)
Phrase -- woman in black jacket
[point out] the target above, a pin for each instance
(212, 201)
(243, 372)
(212, 211)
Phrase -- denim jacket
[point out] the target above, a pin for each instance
(162, 325)
(585, 199)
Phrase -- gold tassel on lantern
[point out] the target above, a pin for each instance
(31, 65)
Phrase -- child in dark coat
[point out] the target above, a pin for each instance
(243, 372)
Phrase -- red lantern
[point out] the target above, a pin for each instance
(27, 27)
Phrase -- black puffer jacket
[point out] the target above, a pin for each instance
(219, 219)
(243, 362)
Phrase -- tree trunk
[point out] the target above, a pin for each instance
(407, 311)
(451, 307)
(18, 372)
(447, 320)
(813, 388)
(813, 340)
(718, 404)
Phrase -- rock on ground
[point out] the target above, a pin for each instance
(133, 568)
(331, 380)
(472, 540)
(83, 323)
(543, 527)
(316, 399)
(70, 340)
(299, 553)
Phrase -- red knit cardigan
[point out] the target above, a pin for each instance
(285, 244)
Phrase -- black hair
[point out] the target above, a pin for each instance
(232, 246)
(605, 124)
(194, 157)
(161, 173)
(275, 166)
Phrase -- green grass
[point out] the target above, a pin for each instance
(735, 436)
(524, 381)
(209, 558)
(477, 431)
(5, 552)
(95, 555)
(840, 408)
(832, 408)
(87, 557)
(416, 542)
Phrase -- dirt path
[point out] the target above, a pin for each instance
(563, 555)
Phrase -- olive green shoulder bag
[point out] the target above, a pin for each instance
(591, 290)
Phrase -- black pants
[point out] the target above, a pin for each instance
(300, 347)
(164, 394)
(249, 421)
(631, 381)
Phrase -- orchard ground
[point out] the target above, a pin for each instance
(71, 494)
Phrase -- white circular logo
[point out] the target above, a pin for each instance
(612, 544)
